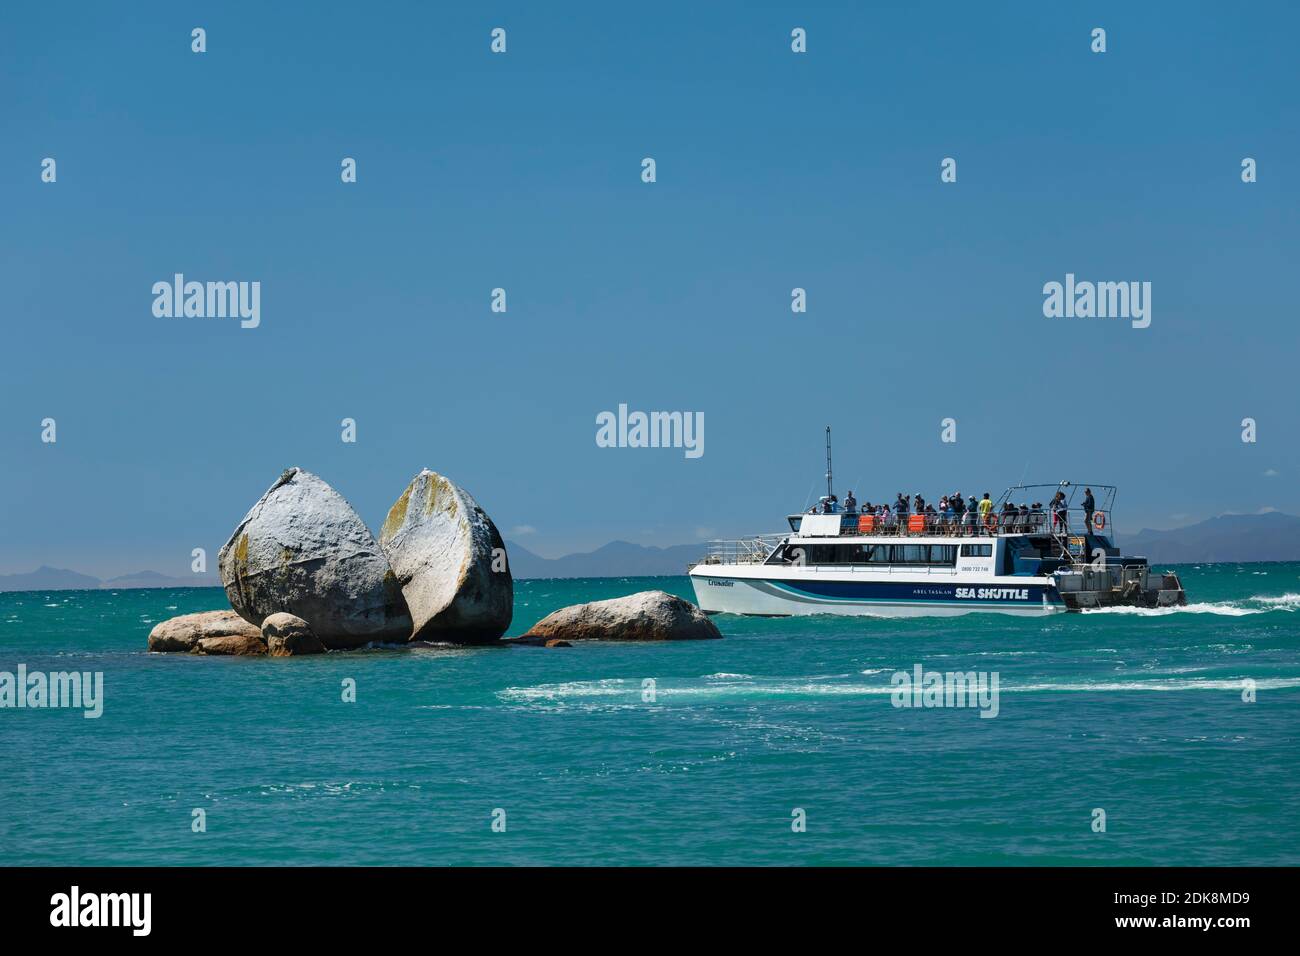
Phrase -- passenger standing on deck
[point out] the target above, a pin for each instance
(850, 504)
(1059, 513)
(985, 507)
(972, 508)
(1089, 506)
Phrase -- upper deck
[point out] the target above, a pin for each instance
(1072, 519)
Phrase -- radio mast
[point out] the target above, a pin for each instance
(828, 461)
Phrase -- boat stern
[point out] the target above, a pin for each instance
(1087, 587)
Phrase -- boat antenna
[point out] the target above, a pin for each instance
(828, 461)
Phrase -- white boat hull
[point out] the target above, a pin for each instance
(768, 591)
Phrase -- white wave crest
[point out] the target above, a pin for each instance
(1256, 604)
(594, 692)
(1287, 602)
(1225, 610)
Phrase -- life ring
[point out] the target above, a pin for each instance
(1099, 520)
(992, 519)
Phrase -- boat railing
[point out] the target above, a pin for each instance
(1072, 521)
(752, 550)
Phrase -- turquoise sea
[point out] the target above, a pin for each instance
(1137, 713)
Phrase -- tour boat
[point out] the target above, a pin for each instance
(1042, 563)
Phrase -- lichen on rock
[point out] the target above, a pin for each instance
(449, 561)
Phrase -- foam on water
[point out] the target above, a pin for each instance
(1289, 602)
(1279, 602)
(804, 687)
(1225, 610)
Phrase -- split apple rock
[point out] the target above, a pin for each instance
(450, 562)
(302, 550)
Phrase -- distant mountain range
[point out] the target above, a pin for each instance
(1272, 536)
(618, 559)
(46, 578)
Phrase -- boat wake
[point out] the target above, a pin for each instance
(1251, 605)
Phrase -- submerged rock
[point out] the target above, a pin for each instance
(184, 632)
(527, 641)
(289, 636)
(450, 562)
(645, 616)
(303, 550)
(236, 645)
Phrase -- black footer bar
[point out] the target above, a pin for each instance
(331, 905)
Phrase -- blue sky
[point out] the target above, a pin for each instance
(522, 171)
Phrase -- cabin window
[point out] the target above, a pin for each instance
(924, 554)
(838, 553)
(845, 554)
(977, 550)
(873, 554)
(943, 554)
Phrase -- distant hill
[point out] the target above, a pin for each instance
(1271, 536)
(46, 578)
(618, 559)
(60, 579)
(152, 579)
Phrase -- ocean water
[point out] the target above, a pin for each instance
(1136, 713)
